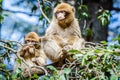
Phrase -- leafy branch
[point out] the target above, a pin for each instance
(42, 11)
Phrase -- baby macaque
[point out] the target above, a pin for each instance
(32, 54)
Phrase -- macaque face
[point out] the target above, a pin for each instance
(30, 42)
(61, 15)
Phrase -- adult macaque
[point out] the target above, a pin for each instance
(63, 33)
(32, 54)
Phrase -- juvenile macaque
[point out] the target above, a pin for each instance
(64, 33)
(32, 54)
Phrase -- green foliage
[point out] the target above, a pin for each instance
(104, 16)
(88, 32)
(0, 1)
(1, 18)
(97, 62)
(47, 9)
(94, 62)
(117, 39)
(57, 74)
(83, 12)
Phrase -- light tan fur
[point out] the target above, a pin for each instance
(32, 54)
(63, 34)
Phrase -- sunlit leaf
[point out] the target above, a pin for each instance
(77, 56)
(118, 38)
(1, 77)
(62, 77)
(113, 77)
(19, 60)
(67, 70)
(35, 76)
(85, 14)
(52, 68)
(2, 65)
(73, 51)
(105, 56)
(18, 70)
(103, 42)
(104, 17)
(5, 14)
(96, 51)
(0, 1)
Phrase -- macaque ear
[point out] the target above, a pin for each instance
(24, 39)
(40, 39)
(73, 9)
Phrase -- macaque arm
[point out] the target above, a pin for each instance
(79, 44)
(60, 41)
(51, 29)
(41, 59)
(72, 39)
(76, 28)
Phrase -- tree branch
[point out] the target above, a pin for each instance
(8, 48)
(30, 14)
(42, 11)
(40, 67)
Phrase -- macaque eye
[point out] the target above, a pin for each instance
(27, 41)
(62, 12)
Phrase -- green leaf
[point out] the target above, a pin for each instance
(1, 77)
(81, 7)
(118, 38)
(19, 60)
(2, 65)
(103, 42)
(67, 70)
(97, 51)
(15, 76)
(75, 56)
(84, 60)
(5, 14)
(73, 51)
(35, 76)
(104, 17)
(94, 57)
(85, 14)
(18, 70)
(105, 56)
(62, 77)
(52, 68)
(0, 1)
(88, 32)
(113, 77)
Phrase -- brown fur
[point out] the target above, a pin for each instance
(63, 34)
(32, 36)
(31, 54)
(69, 11)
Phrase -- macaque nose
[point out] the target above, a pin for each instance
(30, 43)
(60, 16)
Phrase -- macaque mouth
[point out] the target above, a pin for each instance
(60, 19)
(61, 15)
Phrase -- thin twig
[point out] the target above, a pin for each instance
(42, 11)
(12, 11)
(8, 48)
(85, 23)
(5, 41)
(40, 67)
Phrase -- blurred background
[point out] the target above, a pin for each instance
(18, 17)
